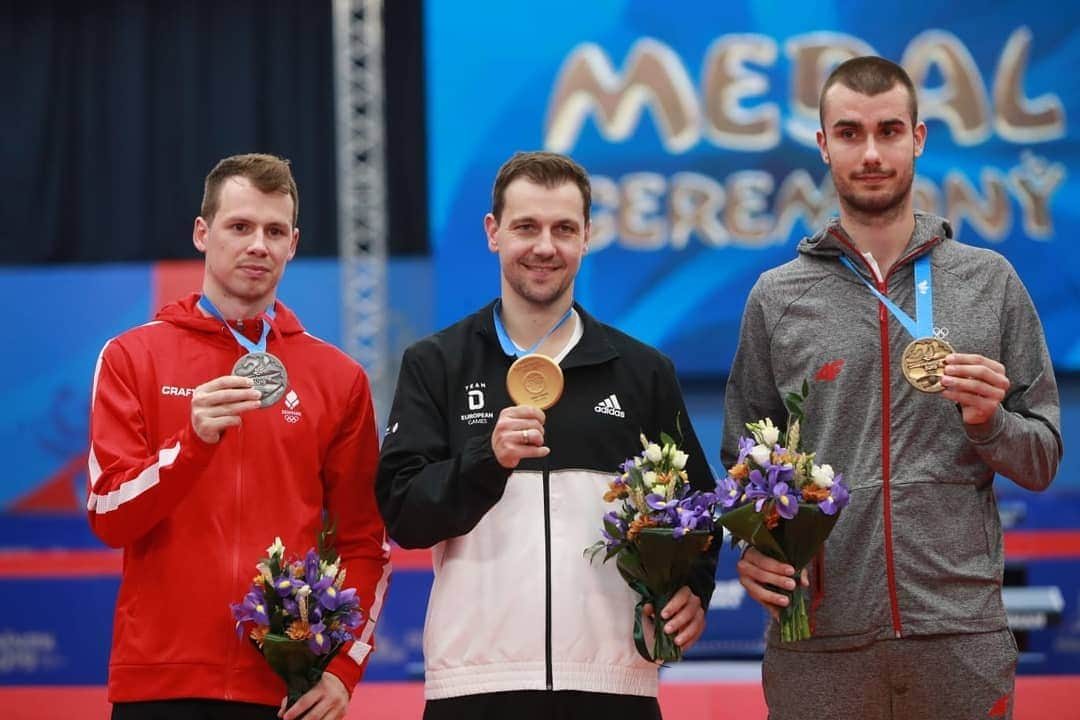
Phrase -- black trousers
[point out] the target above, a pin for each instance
(192, 709)
(543, 705)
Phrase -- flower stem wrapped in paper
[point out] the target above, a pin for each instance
(777, 499)
(299, 613)
(657, 534)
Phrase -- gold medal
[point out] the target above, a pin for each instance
(535, 380)
(923, 363)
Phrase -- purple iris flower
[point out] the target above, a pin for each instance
(838, 497)
(659, 502)
(746, 444)
(353, 619)
(290, 606)
(324, 582)
(286, 585)
(780, 473)
(319, 642)
(620, 525)
(759, 489)
(253, 608)
(689, 519)
(787, 503)
(728, 492)
(331, 598)
(311, 568)
(625, 467)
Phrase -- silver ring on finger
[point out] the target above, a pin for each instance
(525, 437)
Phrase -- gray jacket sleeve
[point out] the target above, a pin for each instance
(751, 387)
(1023, 439)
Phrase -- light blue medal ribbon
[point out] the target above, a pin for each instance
(923, 324)
(260, 346)
(266, 371)
(508, 345)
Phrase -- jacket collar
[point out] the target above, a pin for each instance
(832, 241)
(594, 347)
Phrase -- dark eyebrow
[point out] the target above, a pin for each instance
(846, 124)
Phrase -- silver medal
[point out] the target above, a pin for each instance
(267, 372)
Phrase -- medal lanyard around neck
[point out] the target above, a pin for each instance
(260, 346)
(508, 345)
(923, 324)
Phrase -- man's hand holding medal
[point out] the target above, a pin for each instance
(535, 383)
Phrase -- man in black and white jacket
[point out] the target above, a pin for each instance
(509, 496)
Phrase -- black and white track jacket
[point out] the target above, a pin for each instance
(516, 605)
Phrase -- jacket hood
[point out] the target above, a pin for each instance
(833, 241)
(186, 314)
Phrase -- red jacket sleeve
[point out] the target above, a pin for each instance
(133, 483)
(349, 479)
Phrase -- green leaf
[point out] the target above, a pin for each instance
(664, 562)
(748, 525)
(325, 543)
(294, 662)
(666, 439)
(803, 535)
(794, 541)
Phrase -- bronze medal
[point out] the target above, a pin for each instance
(267, 372)
(923, 363)
(535, 380)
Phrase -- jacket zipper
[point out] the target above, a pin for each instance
(886, 404)
(231, 659)
(549, 679)
(886, 426)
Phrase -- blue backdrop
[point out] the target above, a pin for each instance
(696, 121)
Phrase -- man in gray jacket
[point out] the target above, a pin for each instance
(940, 378)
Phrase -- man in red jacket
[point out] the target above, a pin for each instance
(215, 428)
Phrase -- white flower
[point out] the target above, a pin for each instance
(649, 478)
(678, 461)
(760, 454)
(277, 549)
(822, 475)
(767, 433)
(653, 453)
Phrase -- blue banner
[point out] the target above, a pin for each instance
(697, 123)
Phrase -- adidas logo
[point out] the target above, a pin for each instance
(610, 406)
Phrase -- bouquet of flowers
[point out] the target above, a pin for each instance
(780, 501)
(656, 535)
(300, 615)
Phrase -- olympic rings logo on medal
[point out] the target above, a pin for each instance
(941, 332)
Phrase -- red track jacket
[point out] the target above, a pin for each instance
(193, 519)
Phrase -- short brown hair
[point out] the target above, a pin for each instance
(268, 173)
(543, 168)
(870, 75)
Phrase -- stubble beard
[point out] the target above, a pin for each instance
(539, 297)
(876, 209)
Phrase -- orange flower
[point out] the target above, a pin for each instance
(772, 516)
(739, 472)
(636, 526)
(299, 630)
(616, 491)
(258, 633)
(813, 493)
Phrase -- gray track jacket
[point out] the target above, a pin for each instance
(919, 551)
